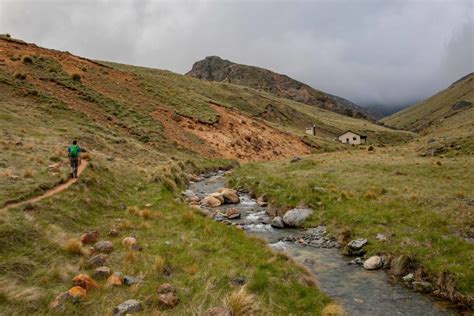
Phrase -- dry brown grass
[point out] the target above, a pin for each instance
(188, 215)
(129, 257)
(333, 309)
(159, 264)
(73, 246)
(145, 213)
(16, 293)
(371, 195)
(133, 210)
(7, 173)
(192, 269)
(240, 303)
(124, 225)
(28, 173)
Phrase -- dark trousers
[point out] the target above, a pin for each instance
(74, 164)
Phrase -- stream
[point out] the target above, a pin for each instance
(358, 291)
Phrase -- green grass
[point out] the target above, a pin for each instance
(202, 255)
(424, 208)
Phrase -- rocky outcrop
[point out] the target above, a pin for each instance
(214, 68)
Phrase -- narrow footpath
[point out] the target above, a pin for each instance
(50, 192)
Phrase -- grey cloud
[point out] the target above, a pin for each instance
(369, 51)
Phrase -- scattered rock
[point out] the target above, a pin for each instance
(262, 201)
(104, 246)
(166, 288)
(89, 237)
(230, 196)
(459, 105)
(58, 303)
(128, 242)
(113, 232)
(355, 247)
(238, 281)
(115, 279)
(127, 307)
(84, 281)
(76, 293)
(357, 261)
(168, 300)
(217, 311)
(54, 167)
(101, 273)
(381, 237)
(297, 216)
(277, 222)
(295, 159)
(97, 261)
(320, 189)
(232, 213)
(408, 278)
(131, 280)
(400, 265)
(211, 201)
(218, 196)
(373, 263)
(422, 286)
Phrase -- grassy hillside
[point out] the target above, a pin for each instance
(423, 206)
(444, 120)
(284, 114)
(48, 98)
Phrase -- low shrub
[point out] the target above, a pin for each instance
(76, 77)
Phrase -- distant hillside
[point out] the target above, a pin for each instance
(445, 119)
(457, 99)
(214, 68)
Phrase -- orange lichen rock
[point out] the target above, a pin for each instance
(84, 281)
(77, 292)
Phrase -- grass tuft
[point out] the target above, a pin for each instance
(240, 303)
(73, 246)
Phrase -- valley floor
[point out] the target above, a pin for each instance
(423, 206)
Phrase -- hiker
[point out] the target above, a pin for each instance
(73, 153)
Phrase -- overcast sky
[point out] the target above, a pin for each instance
(371, 52)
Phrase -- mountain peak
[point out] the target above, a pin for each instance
(215, 68)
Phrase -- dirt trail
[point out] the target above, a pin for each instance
(53, 191)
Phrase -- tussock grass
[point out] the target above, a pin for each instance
(241, 303)
(28, 173)
(15, 293)
(73, 246)
(159, 264)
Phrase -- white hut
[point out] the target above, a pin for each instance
(311, 130)
(352, 138)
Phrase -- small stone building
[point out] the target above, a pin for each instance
(311, 130)
(352, 138)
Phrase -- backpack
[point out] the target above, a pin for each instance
(74, 151)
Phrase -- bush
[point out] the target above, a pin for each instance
(20, 75)
(27, 60)
(76, 77)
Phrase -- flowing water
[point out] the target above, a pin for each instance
(358, 291)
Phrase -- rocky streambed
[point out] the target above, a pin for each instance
(360, 291)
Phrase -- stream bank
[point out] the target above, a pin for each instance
(358, 291)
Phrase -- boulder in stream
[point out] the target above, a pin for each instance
(277, 222)
(211, 201)
(297, 216)
(355, 247)
(373, 263)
